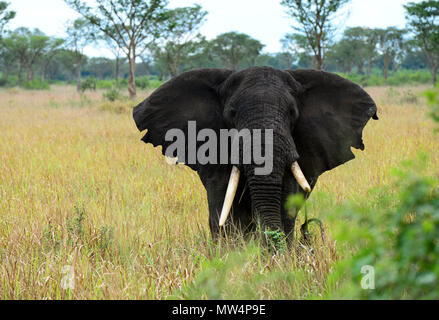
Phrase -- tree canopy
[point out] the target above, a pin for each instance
(314, 20)
(132, 24)
(423, 21)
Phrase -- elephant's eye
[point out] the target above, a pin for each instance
(232, 113)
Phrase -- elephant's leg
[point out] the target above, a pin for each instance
(215, 180)
(215, 202)
(240, 221)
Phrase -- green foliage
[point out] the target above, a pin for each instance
(36, 84)
(105, 238)
(112, 95)
(399, 78)
(154, 84)
(5, 15)
(181, 37)
(142, 82)
(88, 84)
(105, 84)
(235, 50)
(242, 274)
(276, 240)
(315, 21)
(433, 101)
(399, 235)
(75, 224)
(423, 19)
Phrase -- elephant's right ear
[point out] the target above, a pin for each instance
(191, 96)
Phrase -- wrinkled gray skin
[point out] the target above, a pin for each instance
(316, 117)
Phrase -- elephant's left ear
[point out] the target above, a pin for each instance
(191, 96)
(333, 113)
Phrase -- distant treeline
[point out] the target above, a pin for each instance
(169, 43)
(28, 55)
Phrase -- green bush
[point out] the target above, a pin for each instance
(142, 82)
(105, 84)
(12, 81)
(88, 84)
(112, 95)
(409, 77)
(36, 84)
(154, 84)
(399, 78)
(399, 236)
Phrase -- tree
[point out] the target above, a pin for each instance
(64, 65)
(28, 47)
(280, 60)
(423, 21)
(369, 52)
(391, 46)
(362, 43)
(17, 44)
(180, 36)
(297, 45)
(5, 15)
(357, 48)
(37, 46)
(115, 50)
(343, 54)
(8, 58)
(53, 47)
(132, 24)
(80, 33)
(234, 48)
(315, 22)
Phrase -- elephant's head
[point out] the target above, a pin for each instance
(315, 117)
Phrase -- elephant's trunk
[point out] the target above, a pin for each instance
(266, 190)
(266, 202)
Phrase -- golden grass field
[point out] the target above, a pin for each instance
(88, 211)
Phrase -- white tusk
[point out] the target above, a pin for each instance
(300, 177)
(230, 195)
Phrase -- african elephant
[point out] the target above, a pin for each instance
(314, 116)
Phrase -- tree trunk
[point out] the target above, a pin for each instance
(6, 75)
(132, 77)
(78, 75)
(318, 62)
(117, 70)
(20, 73)
(28, 74)
(386, 68)
(361, 67)
(369, 68)
(434, 73)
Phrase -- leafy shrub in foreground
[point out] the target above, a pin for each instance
(399, 233)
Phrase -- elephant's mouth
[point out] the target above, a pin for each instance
(233, 186)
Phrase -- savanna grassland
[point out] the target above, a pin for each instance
(88, 211)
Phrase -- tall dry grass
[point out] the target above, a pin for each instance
(87, 211)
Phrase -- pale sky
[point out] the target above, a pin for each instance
(264, 20)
